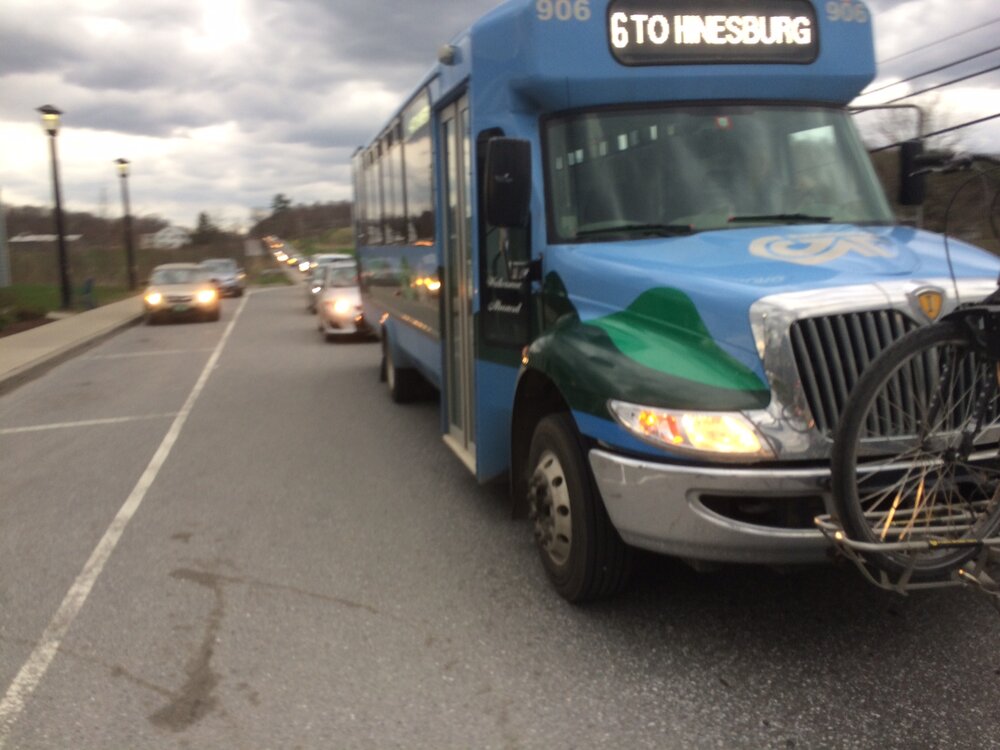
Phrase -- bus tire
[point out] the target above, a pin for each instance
(403, 382)
(583, 555)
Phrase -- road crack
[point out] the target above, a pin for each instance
(195, 699)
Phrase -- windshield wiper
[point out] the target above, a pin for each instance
(659, 230)
(790, 218)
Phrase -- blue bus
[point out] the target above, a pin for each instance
(639, 248)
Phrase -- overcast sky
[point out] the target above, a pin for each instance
(220, 104)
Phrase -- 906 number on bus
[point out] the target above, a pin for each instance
(563, 10)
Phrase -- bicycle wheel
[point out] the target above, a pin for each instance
(915, 454)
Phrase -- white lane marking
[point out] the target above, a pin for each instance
(82, 423)
(38, 663)
(159, 353)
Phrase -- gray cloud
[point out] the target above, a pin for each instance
(289, 88)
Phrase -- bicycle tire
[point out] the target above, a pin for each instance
(915, 453)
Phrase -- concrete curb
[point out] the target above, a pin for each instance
(28, 355)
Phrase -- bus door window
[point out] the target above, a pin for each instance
(456, 310)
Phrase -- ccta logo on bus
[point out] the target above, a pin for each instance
(817, 249)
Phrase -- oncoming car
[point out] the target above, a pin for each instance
(338, 301)
(314, 285)
(320, 258)
(180, 290)
(229, 278)
(314, 274)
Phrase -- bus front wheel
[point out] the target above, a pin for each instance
(580, 549)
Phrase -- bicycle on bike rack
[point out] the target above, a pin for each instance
(915, 466)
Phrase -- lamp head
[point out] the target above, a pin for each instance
(50, 118)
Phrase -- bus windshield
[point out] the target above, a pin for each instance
(633, 173)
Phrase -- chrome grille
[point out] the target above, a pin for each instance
(831, 352)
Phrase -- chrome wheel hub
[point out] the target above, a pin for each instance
(548, 495)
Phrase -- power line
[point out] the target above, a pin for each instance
(942, 39)
(942, 85)
(928, 72)
(940, 132)
(963, 125)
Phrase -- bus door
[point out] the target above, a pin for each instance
(459, 350)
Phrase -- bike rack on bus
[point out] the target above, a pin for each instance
(981, 572)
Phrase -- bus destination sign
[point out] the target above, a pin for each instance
(691, 32)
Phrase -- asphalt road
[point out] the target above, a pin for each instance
(282, 558)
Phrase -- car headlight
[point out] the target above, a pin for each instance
(721, 435)
(204, 296)
(342, 306)
(154, 298)
(304, 266)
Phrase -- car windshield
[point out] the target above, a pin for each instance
(177, 276)
(341, 276)
(225, 266)
(627, 174)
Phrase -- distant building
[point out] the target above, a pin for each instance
(168, 238)
(28, 237)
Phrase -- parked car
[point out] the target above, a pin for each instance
(338, 301)
(180, 290)
(228, 276)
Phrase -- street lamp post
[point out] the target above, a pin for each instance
(50, 124)
(129, 252)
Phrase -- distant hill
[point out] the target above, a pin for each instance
(302, 222)
(93, 230)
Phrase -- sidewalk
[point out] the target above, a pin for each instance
(28, 354)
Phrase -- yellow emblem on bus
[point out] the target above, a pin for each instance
(930, 301)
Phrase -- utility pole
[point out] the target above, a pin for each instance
(5, 279)
(123, 165)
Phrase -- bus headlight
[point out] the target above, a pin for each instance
(722, 435)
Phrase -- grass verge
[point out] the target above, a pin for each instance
(25, 302)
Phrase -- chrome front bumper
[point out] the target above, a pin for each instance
(658, 507)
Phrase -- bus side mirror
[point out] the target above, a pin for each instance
(508, 182)
(912, 179)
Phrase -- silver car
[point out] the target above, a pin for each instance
(314, 274)
(229, 278)
(180, 290)
(338, 301)
(314, 285)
